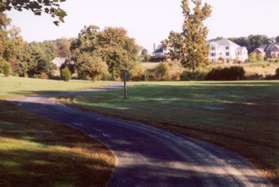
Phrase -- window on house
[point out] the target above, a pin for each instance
(227, 48)
(227, 54)
(213, 48)
(213, 54)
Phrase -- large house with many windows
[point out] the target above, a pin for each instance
(224, 50)
(220, 50)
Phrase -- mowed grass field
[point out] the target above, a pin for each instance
(15, 86)
(241, 116)
(35, 151)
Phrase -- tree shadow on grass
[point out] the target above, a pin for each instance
(39, 152)
(174, 95)
(159, 163)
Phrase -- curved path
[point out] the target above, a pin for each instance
(147, 156)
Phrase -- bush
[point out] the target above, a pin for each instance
(92, 67)
(253, 57)
(41, 76)
(71, 66)
(276, 76)
(232, 73)
(255, 76)
(6, 69)
(168, 71)
(66, 74)
(137, 72)
(196, 75)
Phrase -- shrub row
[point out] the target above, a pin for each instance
(174, 71)
(5, 68)
(168, 71)
(231, 73)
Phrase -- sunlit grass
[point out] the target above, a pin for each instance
(15, 86)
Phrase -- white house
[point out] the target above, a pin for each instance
(58, 61)
(226, 50)
(160, 53)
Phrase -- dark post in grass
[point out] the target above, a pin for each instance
(125, 79)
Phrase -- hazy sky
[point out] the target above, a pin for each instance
(150, 21)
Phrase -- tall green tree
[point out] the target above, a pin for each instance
(4, 23)
(41, 55)
(17, 52)
(195, 47)
(112, 45)
(174, 43)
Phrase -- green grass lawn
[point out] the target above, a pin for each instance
(38, 152)
(15, 86)
(242, 116)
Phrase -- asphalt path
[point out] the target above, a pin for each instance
(147, 156)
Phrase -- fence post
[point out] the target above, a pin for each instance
(125, 79)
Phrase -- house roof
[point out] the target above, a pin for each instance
(261, 50)
(223, 42)
(271, 47)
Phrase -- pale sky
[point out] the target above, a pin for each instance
(150, 21)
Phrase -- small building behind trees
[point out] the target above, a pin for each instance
(270, 51)
(160, 53)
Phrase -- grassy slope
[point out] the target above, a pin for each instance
(242, 116)
(38, 152)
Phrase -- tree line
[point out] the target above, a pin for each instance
(253, 42)
(97, 54)
(27, 59)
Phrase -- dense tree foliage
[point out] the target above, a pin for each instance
(25, 59)
(41, 55)
(51, 7)
(174, 43)
(97, 54)
(62, 47)
(253, 41)
(144, 56)
(112, 45)
(91, 67)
